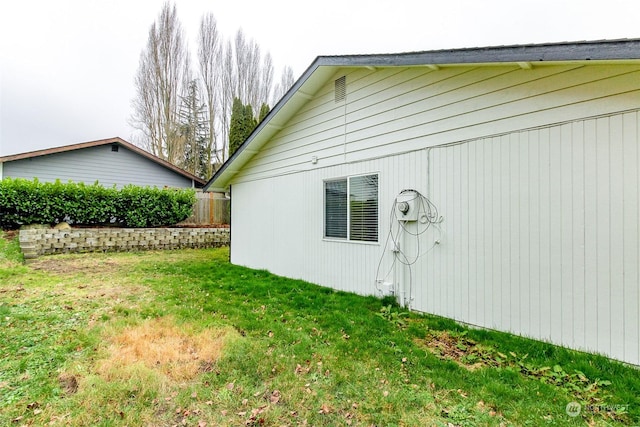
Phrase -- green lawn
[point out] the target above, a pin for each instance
(185, 338)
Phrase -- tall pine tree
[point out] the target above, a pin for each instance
(194, 132)
(235, 126)
(241, 126)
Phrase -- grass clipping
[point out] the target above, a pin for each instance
(175, 351)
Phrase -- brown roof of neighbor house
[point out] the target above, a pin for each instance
(108, 141)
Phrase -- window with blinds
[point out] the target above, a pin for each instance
(335, 209)
(351, 208)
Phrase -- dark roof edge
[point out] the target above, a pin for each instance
(308, 72)
(107, 141)
(620, 49)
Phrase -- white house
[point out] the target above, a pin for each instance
(496, 186)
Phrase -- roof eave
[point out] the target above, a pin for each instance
(523, 55)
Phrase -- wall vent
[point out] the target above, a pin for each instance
(341, 88)
(115, 148)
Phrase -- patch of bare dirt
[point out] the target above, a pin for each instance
(79, 264)
(9, 235)
(68, 383)
(457, 348)
(177, 352)
(15, 289)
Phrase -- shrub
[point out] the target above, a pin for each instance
(32, 202)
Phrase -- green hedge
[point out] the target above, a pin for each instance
(25, 202)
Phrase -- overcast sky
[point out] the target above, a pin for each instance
(67, 66)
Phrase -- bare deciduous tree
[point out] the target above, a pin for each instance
(227, 70)
(229, 84)
(254, 74)
(266, 81)
(163, 75)
(286, 82)
(210, 58)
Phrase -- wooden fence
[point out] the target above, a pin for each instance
(209, 209)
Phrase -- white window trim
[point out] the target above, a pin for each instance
(324, 211)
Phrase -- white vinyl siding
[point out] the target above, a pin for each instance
(541, 203)
(542, 234)
(393, 110)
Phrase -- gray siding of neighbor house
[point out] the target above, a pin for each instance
(93, 164)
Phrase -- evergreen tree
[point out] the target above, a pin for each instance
(194, 132)
(242, 124)
(264, 110)
(249, 121)
(236, 126)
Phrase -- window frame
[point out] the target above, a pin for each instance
(349, 215)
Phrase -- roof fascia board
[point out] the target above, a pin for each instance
(61, 149)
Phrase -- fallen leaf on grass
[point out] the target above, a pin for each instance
(257, 411)
(275, 397)
(325, 409)
(300, 370)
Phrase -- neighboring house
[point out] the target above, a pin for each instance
(112, 161)
(530, 154)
